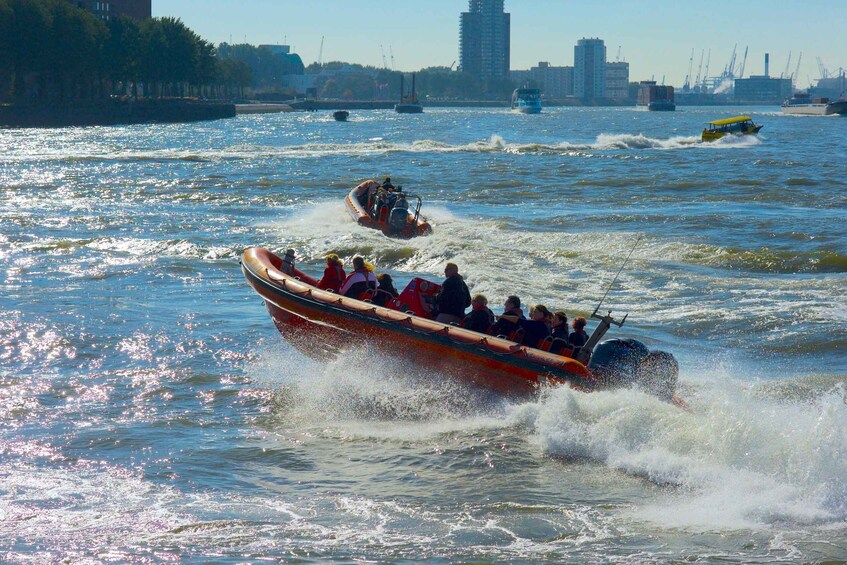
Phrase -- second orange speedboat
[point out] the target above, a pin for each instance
(395, 213)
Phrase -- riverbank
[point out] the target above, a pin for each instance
(114, 112)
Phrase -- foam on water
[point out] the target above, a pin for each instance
(376, 146)
(736, 461)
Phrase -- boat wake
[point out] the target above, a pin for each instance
(741, 459)
(379, 146)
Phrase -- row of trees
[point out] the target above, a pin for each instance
(343, 80)
(52, 51)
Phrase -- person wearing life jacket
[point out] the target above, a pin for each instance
(359, 281)
(386, 185)
(334, 274)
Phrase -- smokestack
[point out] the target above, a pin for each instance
(767, 63)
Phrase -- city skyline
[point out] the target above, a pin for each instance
(657, 45)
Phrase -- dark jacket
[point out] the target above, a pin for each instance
(386, 292)
(561, 332)
(479, 320)
(578, 339)
(505, 327)
(534, 331)
(454, 297)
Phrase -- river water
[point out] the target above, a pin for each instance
(152, 413)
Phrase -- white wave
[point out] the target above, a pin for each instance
(736, 461)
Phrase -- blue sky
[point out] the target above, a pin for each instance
(655, 37)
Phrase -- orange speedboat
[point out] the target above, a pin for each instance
(395, 213)
(320, 321)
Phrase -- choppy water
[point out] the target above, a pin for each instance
(151, 412)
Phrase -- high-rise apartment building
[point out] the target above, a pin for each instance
(484, 40)
(617, 80)
(589, 61)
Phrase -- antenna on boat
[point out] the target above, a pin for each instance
(611, 284)
(606, 321)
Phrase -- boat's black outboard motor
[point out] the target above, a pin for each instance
(398, 218)
(616, 362)
(627, 362)
(659, 374)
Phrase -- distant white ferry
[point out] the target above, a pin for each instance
(802, 103)
(526, 100)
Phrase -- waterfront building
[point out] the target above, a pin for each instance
(763, 89)
(108, 9)
(484, 33)
(617, 81)
(589, 58)
(554, 82)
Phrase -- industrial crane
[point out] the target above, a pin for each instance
(797, 69)
(687, 84)
(743, 63)
(321, 53)
(787, 65)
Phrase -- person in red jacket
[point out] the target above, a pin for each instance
(334, 274)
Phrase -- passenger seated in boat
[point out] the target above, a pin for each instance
(453, 298)
(505, 326)
(288, 262)
(386, 185)
(366, 192)
(385, 291)
(481, 317)
(559, 328)
(334, 274)
(578, 336)
(536, 327)
(359, 281)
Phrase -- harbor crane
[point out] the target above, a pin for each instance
(384, 62)
(700, 67)
(796, 74)
(687, 84)
(743, 63)
(321, 53)
(729, 71)
(787, 65)
(391, 52)
(822, 69)
(708, 62)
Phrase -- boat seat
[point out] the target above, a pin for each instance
(544, 343)
(560, 346)
(516, 335)
(367, 295)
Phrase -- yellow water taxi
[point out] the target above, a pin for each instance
(739, 125)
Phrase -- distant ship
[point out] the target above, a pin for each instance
(526, 100)
(408, 102)
(657, 98)
(802, 103)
